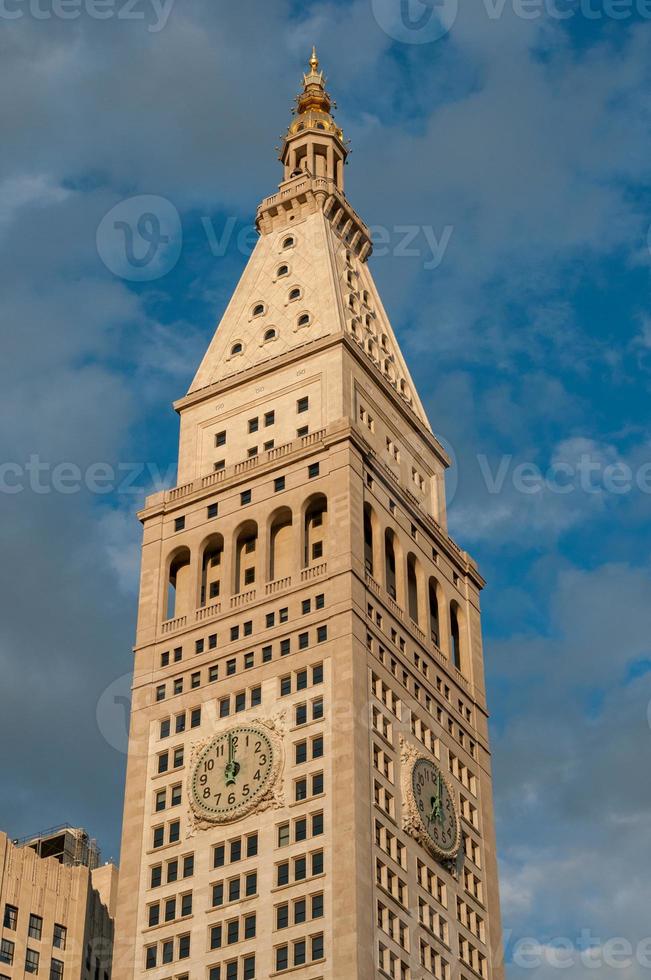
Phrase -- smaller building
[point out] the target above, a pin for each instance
(57, 906)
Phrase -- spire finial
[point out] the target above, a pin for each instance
(314, 61)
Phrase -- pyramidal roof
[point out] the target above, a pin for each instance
(308, 277)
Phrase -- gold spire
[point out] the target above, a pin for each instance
(313, 105)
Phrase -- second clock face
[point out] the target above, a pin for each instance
(436, 807)
(231, 773)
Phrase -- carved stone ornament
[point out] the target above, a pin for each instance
(208, 774)
(412, 820)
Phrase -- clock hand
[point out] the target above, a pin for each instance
(232, 767)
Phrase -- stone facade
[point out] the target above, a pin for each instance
(300, 580)
(57, 920)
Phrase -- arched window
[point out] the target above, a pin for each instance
(315, 530)
(269, 335)
(412, 586)
(236, 349)
(390, 563)
(179, 585)
(434, 622)
(304, 319)
(455, 635)
(258, 309)
(283, 270)
(211, 567)
(368, 538)
(246, 548)
(288, 242)
(294, 294)
(281, 544)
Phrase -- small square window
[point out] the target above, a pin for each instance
(245, 497)
(220, 438)
(268, 445)
(303, 431)
(313, 470)
(219, 465)
(269, 418)
(303, 404)
(212, 510)
(252, 452)
(279, 484)
(179, 524)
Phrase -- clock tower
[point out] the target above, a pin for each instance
(309, 783)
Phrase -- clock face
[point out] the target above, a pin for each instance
(231, 773)
(436, 807)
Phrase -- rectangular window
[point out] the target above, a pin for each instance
(219, 856)
(161, 800)
(254, 425)
(317, 674)
(7, 952)
(56, 969)
(159, 836)
(306, 606)
(317, 947)
(300, 911)
(175, 797)
(301, 714)
(195, 717)
(234, 890)
(178, 685)
(168, 951)
(224, 707)
(31, 960)
(282, 958)
(240, 702)
(186, 904)
(179, 523)
(300, 789)
(300, 752)
(317, 784)
(256, 696)
(269, 444)
(282, 873)
(317, 550)
(160, 692)
(172, 871)
(180, 724)
(317, 863)
(251, 884)
(320, 601)
(170, 909)
(220, 438)
(198, 646)
(252, 845)
(249, 576)
(175, 832)
(231, 667)
(266, 655)
(285, 647)
(253, 451)
(212, 641)
(219, 465)
(317, 906)
(10, 917)
(233, 932)
(313, 471)
(302, 404)
(218, 894)
(269, 418)
(303, 641)
(150, 957)
(270, 620)
(59, 937)
(301, 680)
(236, 850)
(213, 674)
(317, 709)
(249, 661)
(178, 757)
(300, 869)
(184, 947)
(156, 876)
(178, 654)
(188, 864)
(299, 952)
(283, 835)
(317, 824)
(303, 431)
(165, 659)
(317, 747)
(279, 484)
(212, 511)
(245, 497)
(249, 968)
(248, 627)
(235, 633)
(216, 937)
(300, 829)
(283, 615)
(164, 728)
(249, 926)
(285, 685)
(321, 634)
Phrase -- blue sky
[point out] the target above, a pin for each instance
(523, 143)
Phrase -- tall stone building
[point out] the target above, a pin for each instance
(58, 907)
(309, 786)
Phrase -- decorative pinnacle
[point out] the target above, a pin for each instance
(314, 61)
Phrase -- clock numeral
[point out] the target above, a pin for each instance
(231, 799)
(246, 789)
(209, 765)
